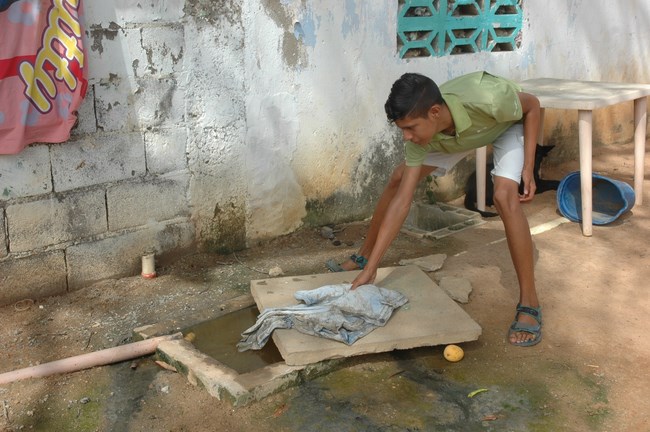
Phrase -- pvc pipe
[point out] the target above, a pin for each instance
(85, 361)
(148, 266)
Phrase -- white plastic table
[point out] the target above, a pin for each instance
(584, 96)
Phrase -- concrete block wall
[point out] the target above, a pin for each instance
(88, 209)
(79, 231)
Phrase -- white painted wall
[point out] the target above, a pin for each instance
(318, 73)
(239, 120)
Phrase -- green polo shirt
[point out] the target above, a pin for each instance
(483, 107)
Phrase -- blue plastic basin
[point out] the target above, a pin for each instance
(610, 198)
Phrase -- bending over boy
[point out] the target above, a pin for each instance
(442, 126)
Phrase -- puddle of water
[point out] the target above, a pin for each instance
(218, 339)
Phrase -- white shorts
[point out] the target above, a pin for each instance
(507, 155)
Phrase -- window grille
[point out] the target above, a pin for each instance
(448, 27)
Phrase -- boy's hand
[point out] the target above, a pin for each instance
(367, 276)
(531, 111)
(529, 186)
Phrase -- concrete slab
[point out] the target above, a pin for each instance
(430, 318)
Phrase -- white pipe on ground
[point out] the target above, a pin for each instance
(85, 361)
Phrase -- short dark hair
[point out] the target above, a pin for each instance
(412, 95)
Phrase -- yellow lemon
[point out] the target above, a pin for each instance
(453, 353)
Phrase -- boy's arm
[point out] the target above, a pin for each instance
(531, 113)
(395, 215)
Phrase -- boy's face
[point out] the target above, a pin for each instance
(420, 130)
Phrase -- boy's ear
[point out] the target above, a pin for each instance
(434, 111)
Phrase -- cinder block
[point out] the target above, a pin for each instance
(135, 52)
(209, 105)
(87, 122)
(56, 220)
(121, 256)
(116, 12)
(135, 204)
(96, 159)
(25, 174)
(163, 50)
(158, 102)
(113, 104)
(114, 53)
(139, 103)
(166, 150)
(3, 235)
(33, 277)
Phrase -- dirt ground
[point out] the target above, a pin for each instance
(590, 372)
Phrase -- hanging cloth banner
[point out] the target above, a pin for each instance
(43, 71)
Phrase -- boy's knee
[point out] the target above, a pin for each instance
(500, 196)
(505, 198)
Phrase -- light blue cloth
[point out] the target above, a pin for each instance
(331, 311)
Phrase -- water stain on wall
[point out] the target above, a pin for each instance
(370, 176)
(226, 231)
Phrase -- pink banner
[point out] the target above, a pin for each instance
(42, 71)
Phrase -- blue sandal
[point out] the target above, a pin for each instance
(359, 260)
(535, 330)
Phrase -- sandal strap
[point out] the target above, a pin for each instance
(360, 260)
(536, 313)
(523, 327)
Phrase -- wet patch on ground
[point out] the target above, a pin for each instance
(417, 390)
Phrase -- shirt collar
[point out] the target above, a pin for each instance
(458, 113)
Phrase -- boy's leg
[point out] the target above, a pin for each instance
(508, 160)
(520, 244)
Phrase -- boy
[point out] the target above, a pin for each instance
(441, 127)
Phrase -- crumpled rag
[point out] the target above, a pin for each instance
(332, 311)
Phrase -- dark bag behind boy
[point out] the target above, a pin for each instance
(542, 185)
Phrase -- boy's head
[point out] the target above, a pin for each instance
(412, 95)
(415, 106)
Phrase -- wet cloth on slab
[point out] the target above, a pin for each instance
(331, 311)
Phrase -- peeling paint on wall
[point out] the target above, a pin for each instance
(212, 11)
(98, 34)
(293, 53)
(305, 30)
(296, 34)
(351, 20)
